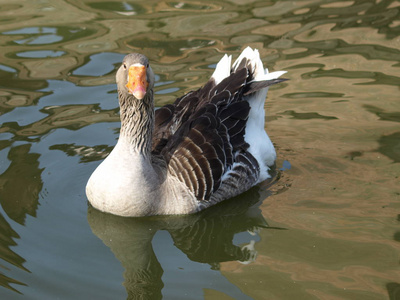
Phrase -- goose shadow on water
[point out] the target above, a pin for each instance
(205, 237)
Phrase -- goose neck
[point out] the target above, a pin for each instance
(137, 122)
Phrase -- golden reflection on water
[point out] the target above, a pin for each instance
(336, 121)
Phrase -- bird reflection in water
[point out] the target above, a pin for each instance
(205, 237)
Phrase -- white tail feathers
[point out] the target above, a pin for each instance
(223, 68)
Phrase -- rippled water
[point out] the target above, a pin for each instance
(328, 228)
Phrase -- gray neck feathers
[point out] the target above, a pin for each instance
(137, 121)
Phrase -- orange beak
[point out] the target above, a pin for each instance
(137, 81)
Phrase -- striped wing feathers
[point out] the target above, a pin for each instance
(201, 135)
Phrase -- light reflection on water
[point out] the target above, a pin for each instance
(335, 124)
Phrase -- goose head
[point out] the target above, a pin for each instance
(135, 76)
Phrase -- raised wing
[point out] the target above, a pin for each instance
(201, 135)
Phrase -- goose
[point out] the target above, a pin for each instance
(208, 146)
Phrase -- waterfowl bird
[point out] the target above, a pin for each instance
(208, 146)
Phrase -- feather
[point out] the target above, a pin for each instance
(255, 86)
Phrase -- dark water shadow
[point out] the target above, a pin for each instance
(307, 116)
(393, 290)
(383, 115)
(20, 186)
(205, 237)
(7, 236)
(389, 145)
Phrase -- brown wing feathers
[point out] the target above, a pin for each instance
(201, 135)
(259, 85)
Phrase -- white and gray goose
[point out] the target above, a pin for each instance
(208, 146)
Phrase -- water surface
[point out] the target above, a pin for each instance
(327, 228)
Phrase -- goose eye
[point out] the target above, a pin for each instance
(124, 66)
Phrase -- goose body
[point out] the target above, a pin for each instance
(208, 146)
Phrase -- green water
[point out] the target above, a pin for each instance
(328, 228)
